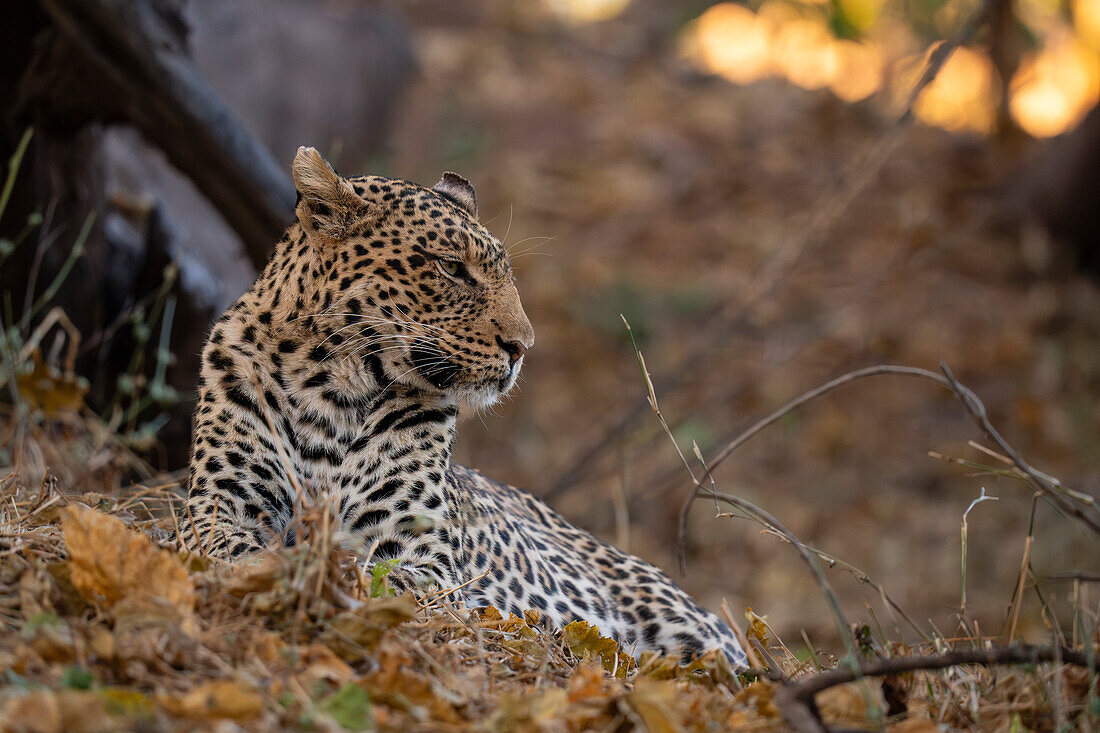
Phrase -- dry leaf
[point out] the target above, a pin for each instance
(35, 712)
(49, 390)
(83, 711)
(320, 663)
(586, 643)
(349, 632)
(586, 683)
(257, 575)
(654, 702)
(914, 725)
(758, 626)
(849, 703)
(217, 699)
(759, 696)
(122, 570)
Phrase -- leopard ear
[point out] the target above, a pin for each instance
(328, 206)
(458, 189)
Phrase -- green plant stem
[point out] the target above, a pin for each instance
(50, 292)
(14, 163)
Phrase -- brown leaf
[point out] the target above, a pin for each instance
(320, 663)
(122, 570)
(914, 725)
(216, 699)
(85, 712)
(35, 712)
(349, 632)
(848, 703)
(259, 575)
(758, 695)
(586, 683)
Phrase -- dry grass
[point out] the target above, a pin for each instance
(106, 626)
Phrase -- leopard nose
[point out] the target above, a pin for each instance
(514, 349)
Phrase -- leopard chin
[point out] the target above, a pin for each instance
(486, 394)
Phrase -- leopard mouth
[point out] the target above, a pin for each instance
(443, 374)
(434, 367)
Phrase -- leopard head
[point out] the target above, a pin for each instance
(407, 280)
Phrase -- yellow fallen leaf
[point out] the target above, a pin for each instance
(586, 643)
(654, 702)
(122, 570)
(213, 700)
(50, 390)
(758, 626)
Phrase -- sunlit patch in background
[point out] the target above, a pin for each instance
(856, 49)
(1055, 88)
(732, 41)
(963, 96)
(780, 42)
(586, 11)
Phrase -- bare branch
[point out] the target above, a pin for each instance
(796, 699)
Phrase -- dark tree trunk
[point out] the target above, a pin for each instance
(1063, 190)
(82, 72)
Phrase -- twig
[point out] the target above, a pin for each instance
(795, 700)
(962, 602)
(1051, 488)
(832, 561)
(747, 507)
(1025, 563)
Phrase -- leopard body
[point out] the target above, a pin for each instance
(338, 377)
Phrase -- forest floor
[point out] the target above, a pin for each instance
(108, 628)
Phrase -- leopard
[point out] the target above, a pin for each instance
(338, 377)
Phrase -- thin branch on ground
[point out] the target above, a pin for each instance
(746, 507)
(1072, 503)
(832, 561)
(795, 700)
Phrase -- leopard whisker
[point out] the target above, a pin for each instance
(402, 374)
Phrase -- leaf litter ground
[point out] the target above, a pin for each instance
(107, 627)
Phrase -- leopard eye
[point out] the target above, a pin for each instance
(454, 268)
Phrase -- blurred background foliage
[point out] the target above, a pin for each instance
(732, 177)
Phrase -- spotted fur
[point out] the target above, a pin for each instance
(339, 374)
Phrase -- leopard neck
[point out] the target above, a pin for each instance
(312, 337)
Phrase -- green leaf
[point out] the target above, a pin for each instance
(77, 678)
(378, 573)
(349, 707)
